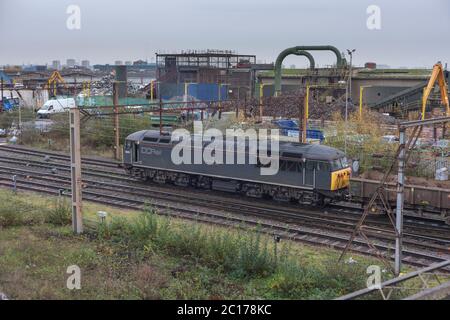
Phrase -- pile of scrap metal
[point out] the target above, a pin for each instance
(291, 106)
(284, 106)
(325, 111)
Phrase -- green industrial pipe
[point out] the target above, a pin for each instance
(312, 63)
(294, 50)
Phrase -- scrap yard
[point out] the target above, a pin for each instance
(218, 174)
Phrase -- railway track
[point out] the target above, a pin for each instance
(58, 156)
(289, 212)
(423, 244)
(115, 173)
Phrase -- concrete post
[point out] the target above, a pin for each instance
(75, 166)
(400, 200)
(160, 115)
(261, 95)
(1, 92)
(116, 120)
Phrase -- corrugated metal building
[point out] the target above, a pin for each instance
(221, 68)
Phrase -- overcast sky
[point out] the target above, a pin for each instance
(413, 32)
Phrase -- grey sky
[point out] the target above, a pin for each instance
(413, 33)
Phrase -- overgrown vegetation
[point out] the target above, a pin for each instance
(364, 140)
(59, 214)
(365, 143)
(148, 256)
(97, 133)
(17, 211)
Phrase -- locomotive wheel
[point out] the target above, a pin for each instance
(160, 177)
(204, 183)
(254, 193)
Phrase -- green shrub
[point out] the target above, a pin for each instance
(344, 277)
(145, 226)
(60, 214)
(254, 257)
(295, 281)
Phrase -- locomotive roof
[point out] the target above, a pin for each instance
(309, 151)
(287, 149)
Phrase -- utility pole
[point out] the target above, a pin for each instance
(116, 119)
(20, 118)
(348, 92)
(399, 208)
(75, 166)
(305, 115)
(350, 52)
(1, 87)
(160, 115)
(346, 118)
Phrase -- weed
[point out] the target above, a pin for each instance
(60, 213)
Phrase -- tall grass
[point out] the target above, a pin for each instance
(60, 213)
(15, 210)
(238, 253)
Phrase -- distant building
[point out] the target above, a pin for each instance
(71, 63)
(85, 64)
(128, 63)
(34, 68)
(139, 62)
(103, 67)
(56, 65)
(212, 71)
(370, 65)
(118, 62)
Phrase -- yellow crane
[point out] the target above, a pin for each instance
(436, 74)
(54, 79)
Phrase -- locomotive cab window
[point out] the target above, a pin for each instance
(128, 145)
(151, 139)
(311, 165)
(292, 166)
(344, 162)
(164, 140)
(336, 164)
(323, 166)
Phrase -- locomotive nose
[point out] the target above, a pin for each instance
(340, 179)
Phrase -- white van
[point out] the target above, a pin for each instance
(55, 106)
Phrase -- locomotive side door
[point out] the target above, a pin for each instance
(310, 169)
(136, 156)
(323, 175)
